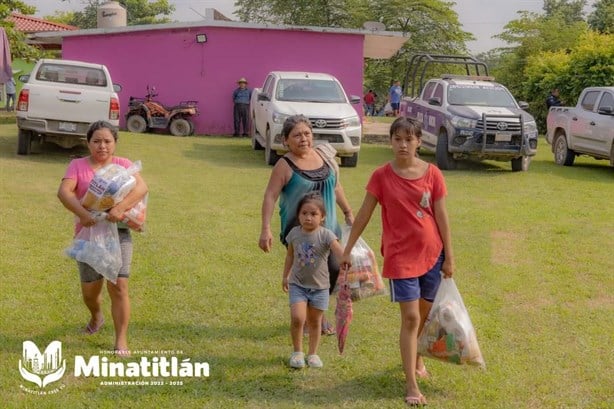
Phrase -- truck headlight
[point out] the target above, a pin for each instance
(279, 118)
(351, 121)
(460, 122)
(530, 129)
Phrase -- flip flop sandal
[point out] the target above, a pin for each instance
(419, 400)
(422, 373)
(92, 330)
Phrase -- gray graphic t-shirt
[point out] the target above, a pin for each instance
(311, 250)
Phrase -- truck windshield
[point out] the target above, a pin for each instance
(480, 95)
(310, 90)
(72, 74)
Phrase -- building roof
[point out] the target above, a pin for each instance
(30, 24)
(377, 44)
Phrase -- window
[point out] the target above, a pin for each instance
(310, 90)
(428, 90)
(588, 102)
(70, 74)
(607, 100)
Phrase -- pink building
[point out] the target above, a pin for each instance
(203, 60)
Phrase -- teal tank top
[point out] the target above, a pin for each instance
(302, 182)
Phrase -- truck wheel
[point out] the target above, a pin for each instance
(445, 160)
(349, 161)
(136, 123)
(180, 127)
(252, 134)
(562, 154)
(270, 156)
(521, 164)
(24, 142)
(191, 127)
(612, 155)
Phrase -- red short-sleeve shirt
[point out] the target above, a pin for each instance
(411, 242)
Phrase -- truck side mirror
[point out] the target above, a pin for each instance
(435, 101)
(117, 87)
(24, 78)
(263, 97)
(354, 99)
(606, 110)
(523, 105)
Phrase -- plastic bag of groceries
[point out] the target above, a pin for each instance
(109, 186)
(448, 334)
(99, 247)
(135, 217)
(363, 278)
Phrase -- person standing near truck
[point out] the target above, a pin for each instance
(553, 99)
(241, 96)
(394, 96)
(10, 94)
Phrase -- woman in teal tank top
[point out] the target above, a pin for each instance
(302, 170)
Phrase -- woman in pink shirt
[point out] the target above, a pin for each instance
(416, 239)
(101, 141)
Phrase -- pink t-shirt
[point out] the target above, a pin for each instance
(411, 242)
(81, 171)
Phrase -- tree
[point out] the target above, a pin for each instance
(432, 25)
(589, 63)
(17, 40)
(602, 18)
(533, 34)
(137, 11)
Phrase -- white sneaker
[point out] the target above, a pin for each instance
(314, 361)
(297, 360)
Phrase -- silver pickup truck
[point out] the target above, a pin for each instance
(60, 99)
(586, 129)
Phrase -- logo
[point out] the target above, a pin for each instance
(42, 369)
(502, 126)
(320, 123)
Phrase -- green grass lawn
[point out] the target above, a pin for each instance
(534, 265)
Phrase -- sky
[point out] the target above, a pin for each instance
(482, 18)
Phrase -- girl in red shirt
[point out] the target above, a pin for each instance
(416, 240)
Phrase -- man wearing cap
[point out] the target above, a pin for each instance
(241, 97)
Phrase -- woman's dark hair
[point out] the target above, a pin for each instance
(316, 199)
(101, 125)
(291, 122)
(404, 124)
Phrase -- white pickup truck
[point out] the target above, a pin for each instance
(60, 99)
(586, 129)
(321, 98)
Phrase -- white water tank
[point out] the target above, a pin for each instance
(111, 14)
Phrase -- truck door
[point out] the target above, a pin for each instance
(422, 114)
(582, 124)
(604, 125)
(261, 107)
(433, 117)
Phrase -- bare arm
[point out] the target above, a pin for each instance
(68, 197)
(279, 177)
(343, 203)
(361, 221)
(116, 213)
(337, 250)
(287, 267)
(443, 225)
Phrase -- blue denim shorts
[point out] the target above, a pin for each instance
(314, 297)
(425, 286)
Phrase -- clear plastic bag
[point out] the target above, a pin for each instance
(109, 186)
(135, 217)
(99, 247)
(448, 333)
(363, 278)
